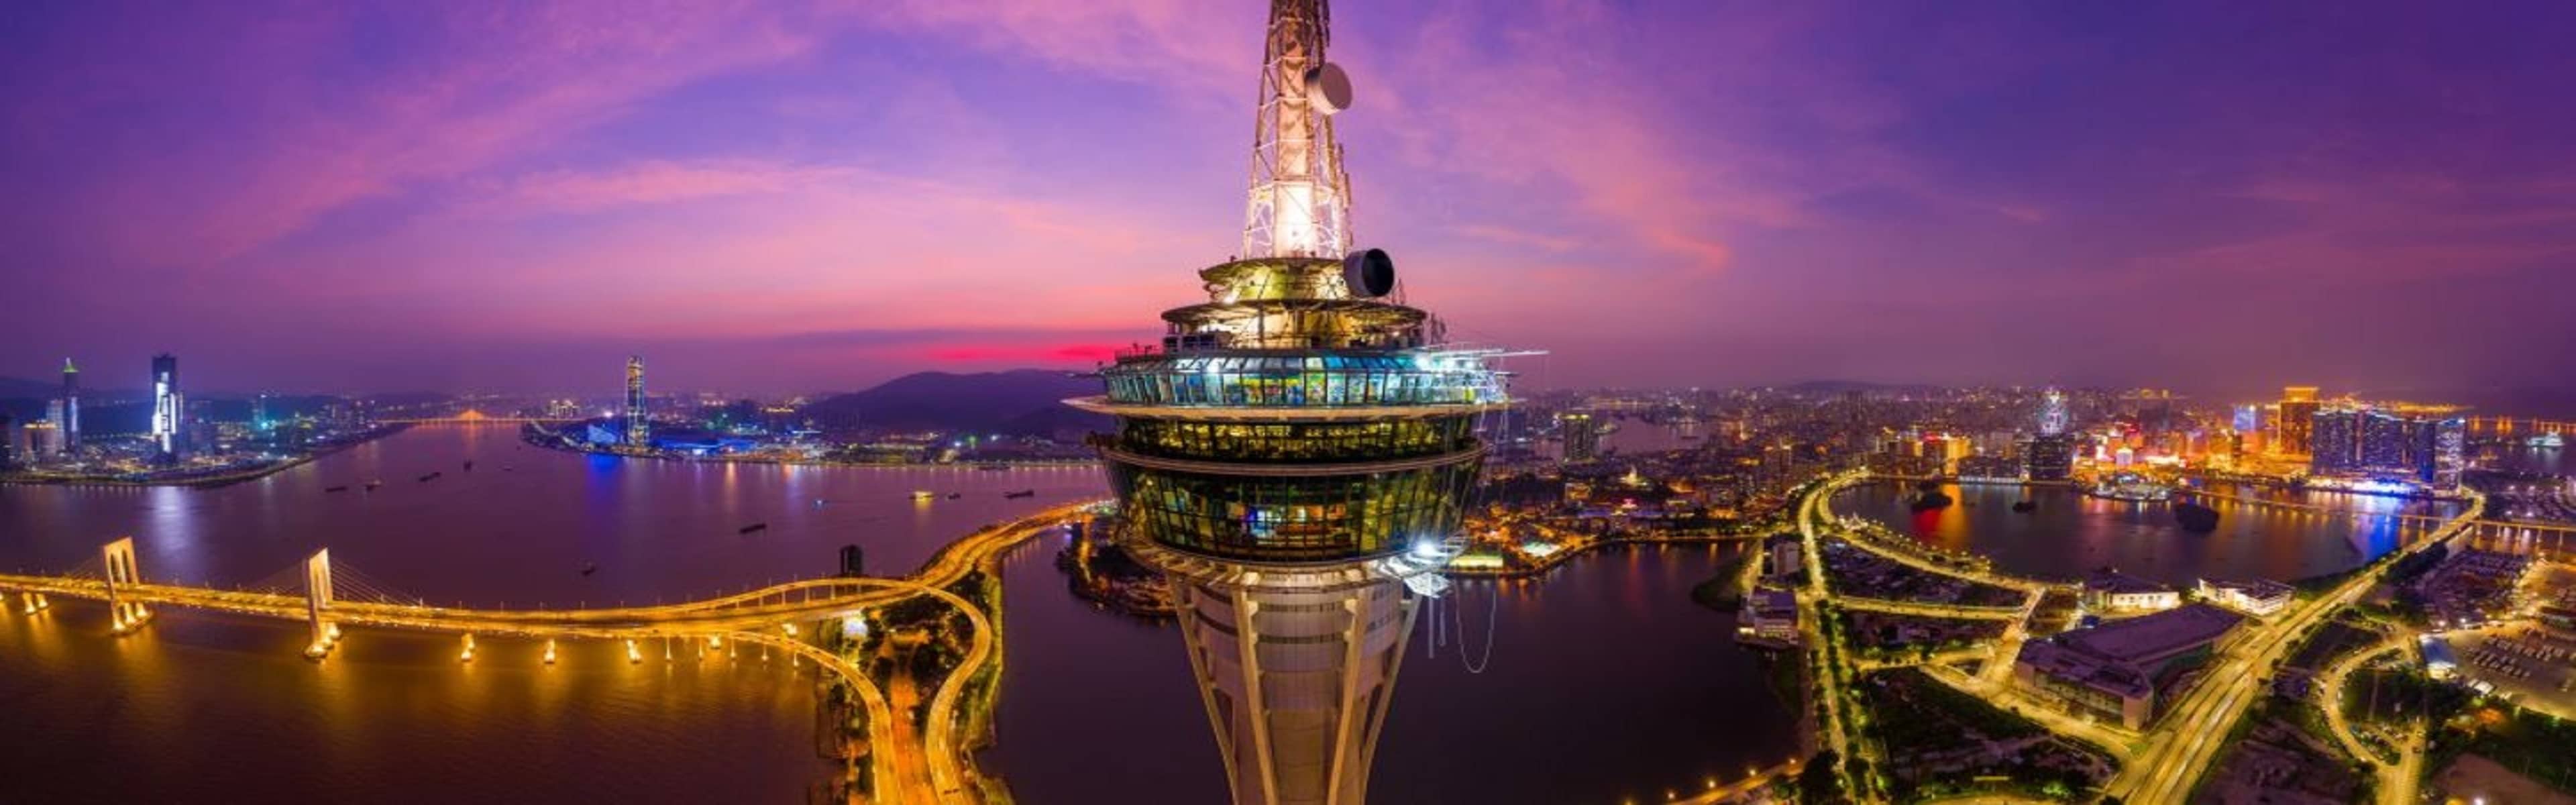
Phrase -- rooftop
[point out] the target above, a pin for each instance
(2112, 581)
(2149, 637)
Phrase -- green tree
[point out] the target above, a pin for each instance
(1817, 783)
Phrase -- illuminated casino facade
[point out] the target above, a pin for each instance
(1296, 455)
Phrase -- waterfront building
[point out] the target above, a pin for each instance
(169, 409)
(43, 438)
(2388, 444)
(1582, 435)
(9, 450)
(2298, 407)
(2048, 458)
(2334, 440)
(2438, 453)
(1295, 456)
(1769, 616)
(2386, 439)
(2111, 591)
(2114, 670)
(1781, 555)
(71, 418)
(639, 431)
(2257, 597)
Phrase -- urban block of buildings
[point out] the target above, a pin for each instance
(2257, 597)
(2109, 591)
(2118, 670)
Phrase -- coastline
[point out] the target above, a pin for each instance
(207, 481)
(555, 444)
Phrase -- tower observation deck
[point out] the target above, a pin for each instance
(1296, 455)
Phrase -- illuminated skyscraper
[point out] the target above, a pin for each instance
(2052, 413)
(2298, 409)
(1582, 435)
(2440, 451)
(638, 432)
(2334, 438)
(1296, 457)
(9, 437)
(169, 408)
(71, 406)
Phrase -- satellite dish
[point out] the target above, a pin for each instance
(1328, 88)
(1369, 273)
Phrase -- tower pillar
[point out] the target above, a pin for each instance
(124, 614)
(317, 604)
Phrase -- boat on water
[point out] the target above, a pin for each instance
(2194, 517)
(371, 485)
(432, 477)
(992, 467)
(2024, 506)
(956, 495)
(753, 528)
(342, 488)
(589, 568)
(1024, 493)
(924, 494)
(469, 466)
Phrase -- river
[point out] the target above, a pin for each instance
(2068, 534)
(1598, 682)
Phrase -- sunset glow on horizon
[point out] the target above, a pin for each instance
(786, 197)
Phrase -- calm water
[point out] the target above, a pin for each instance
(1599, 682)
(2069, 534)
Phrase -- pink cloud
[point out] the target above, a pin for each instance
(1023, 354)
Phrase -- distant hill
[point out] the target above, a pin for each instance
(1019, 401)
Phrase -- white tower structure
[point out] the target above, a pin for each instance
(1298, 456)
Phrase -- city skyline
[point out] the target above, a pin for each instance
(504, 200)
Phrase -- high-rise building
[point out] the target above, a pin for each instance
(2248, 419)
(639, 431)
(1296, 457)
(2441, 451)
(42, 439)
(2053, 418)
(2048, 458)
(9, 449)
(2388, 444)
(169, 408)
(1582, 435)
(71, 422)
(2387, 440)
(2334, 438)
(2297, 428)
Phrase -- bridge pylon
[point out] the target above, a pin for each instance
(317, 604)
(124, 615)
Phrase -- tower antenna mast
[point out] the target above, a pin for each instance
(1300, 200)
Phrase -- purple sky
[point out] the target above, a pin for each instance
(772, 197)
